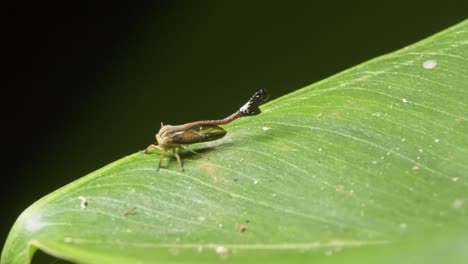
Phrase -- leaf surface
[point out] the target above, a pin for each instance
(369, 164)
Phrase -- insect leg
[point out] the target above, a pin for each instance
(150, 147)
(194, 152)
(176, 154)
(163, 153)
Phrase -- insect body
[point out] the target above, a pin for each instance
(176, 137)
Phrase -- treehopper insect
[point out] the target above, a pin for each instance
(175, 138)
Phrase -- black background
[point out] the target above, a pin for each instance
(86, 84)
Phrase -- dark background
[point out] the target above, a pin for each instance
(87, 84)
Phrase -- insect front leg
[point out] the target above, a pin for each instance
(163, 152)
(150, 147)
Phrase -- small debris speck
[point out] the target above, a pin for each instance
(221, 250)
(415, 168)
(421, 150)
(130, 211)
(255, 182)
(403, 139)
(436, 140)
(429, 64)
(241, 228)
(455, 179)
(457, 203)
(405, 100)
(266, 128)
(83, 202)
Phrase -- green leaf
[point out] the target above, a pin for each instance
(368, 165)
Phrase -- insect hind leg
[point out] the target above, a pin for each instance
(194, 152)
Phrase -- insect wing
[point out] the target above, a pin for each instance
(198, 134)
